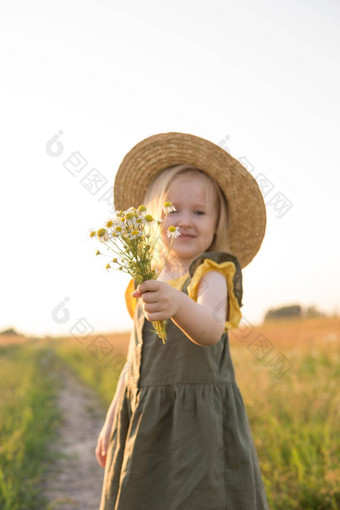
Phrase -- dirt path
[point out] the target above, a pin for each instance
(75, 480)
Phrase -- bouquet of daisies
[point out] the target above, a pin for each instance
(132, 235)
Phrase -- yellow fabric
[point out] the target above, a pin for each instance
(130, 301)
(228, 269)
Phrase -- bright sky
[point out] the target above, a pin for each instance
(262, 76)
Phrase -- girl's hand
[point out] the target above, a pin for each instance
(102, 443)
(160, 300)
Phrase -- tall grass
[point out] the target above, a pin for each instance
(28, 419)
(295, 417)
(86, 363)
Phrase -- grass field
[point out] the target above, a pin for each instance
(287, 372)
(28, 419)
(294, 415)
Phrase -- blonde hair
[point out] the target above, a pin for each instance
(157, 191)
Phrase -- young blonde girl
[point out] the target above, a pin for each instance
(176, 435)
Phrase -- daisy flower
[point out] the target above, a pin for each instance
(102, 235)
(168, 207)
(133, 235)
(142, 209)
(173, 232)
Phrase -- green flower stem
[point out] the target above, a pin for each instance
(114, 244)
(159, 327)
(162, 226)
(166, 258)
(117, 246)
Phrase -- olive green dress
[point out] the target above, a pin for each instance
(180, 438)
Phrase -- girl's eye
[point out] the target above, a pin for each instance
(198, 212)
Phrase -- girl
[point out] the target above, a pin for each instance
(177, 435)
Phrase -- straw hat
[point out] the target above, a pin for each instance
(246, 208)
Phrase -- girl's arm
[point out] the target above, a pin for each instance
(202, 321)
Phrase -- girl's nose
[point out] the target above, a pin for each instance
(184, 219)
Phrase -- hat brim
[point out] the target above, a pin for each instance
(246, 207)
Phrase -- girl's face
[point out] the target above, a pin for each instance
(195, 215)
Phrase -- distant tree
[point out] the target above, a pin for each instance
(10, 331)
(312, 311)
(285, 312)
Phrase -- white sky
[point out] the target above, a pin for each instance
(263, 74)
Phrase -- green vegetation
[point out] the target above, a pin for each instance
(28, 419)
(9, 331)
(284, 312)
(100, 376)
(295, 424)
(294, 418)
(293, 312)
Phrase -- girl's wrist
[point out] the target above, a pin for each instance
(180, 298)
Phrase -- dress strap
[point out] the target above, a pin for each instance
(185, 285)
